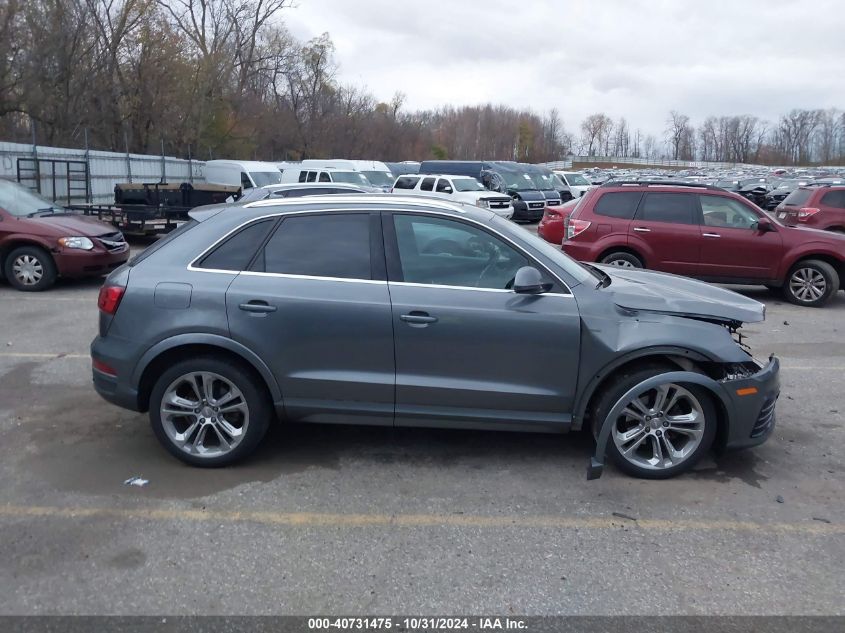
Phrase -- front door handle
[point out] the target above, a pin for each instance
(258, 306)
(418, 318)
(642, 229)
(711, 235)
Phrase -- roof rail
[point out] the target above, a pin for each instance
(658, 183)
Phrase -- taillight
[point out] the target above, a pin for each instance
(103, 367)
(109, 298)
(575, 227)
(807, 212)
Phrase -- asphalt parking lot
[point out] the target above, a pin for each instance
(377, 521)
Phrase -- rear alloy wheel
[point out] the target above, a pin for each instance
(622, 260)
(661, 432)
(30, 268)
(208, 412)
(811, 282)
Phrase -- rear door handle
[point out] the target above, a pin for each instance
(641, 229)
(711, 235)
(256, 305)
(418, 318)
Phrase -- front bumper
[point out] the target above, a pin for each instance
(80, 263)
(752, 417)
(523, 211)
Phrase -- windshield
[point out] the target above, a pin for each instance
(20, 201)
(577, 180)
(352, 177)
(379, 178)
(544, 181)
(518, 181)
(262, 178)
(467, 184)
(555, 254)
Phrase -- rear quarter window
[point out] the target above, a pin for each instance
(621, 204)
(798, 197)
(834, 199)
(237, 251)
(406, 182)
(152, 248)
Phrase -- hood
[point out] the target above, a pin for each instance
(651, 291)
(530, 195)
(70, 225)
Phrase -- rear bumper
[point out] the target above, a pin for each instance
(114, 388)
(579, 251)
(79, 263)
(752, 417)
(551, 230)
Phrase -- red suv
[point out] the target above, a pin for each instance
(40, 241)
(706, 232)
(819, 207)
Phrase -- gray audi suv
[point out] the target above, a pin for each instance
(398, 311)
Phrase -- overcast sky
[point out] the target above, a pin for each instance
(632, 58)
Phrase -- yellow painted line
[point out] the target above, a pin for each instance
(317, 519)
(48, 355)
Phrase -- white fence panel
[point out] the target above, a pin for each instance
(104, 169)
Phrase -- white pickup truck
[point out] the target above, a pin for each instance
(463, 189)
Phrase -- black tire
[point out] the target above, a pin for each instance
(611, 394)
(33, 255)
(622, 259)
(813, 271)
(258, 402)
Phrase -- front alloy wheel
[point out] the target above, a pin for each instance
(660, 428)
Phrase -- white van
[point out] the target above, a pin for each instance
(577, 184)
(328, 174)
(464, 189)
(377, 173)
(245, 174)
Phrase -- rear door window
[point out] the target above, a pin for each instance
(622, 204)
(427, 184)
(674, 208)
(324, 245)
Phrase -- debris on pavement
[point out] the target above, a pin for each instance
(136, 481)
(779, 499)
(624, 516)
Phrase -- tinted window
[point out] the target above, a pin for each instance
(321, 246)
(427, 184)
(152, 248)
(450, 253)
(312, 176)
(324, 177)
(798, 197)
(724, 212)
(237, 251)
(302, 176)
(406, 182)
(834, 199)
(667, 207)
(618, 205)
(246, 183)
(444, 186)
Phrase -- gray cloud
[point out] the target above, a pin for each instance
(632, 58)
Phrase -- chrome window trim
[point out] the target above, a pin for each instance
(427, 211)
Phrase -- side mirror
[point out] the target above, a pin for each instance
(764, 225)
(529, 281)
(447, 190)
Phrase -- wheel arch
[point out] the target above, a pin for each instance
(622, 248)
(679, 358)
(829, 258)
(180, 347)
(16, 241)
